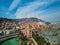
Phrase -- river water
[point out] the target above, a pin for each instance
(13, 41)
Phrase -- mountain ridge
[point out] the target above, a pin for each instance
(32, 19)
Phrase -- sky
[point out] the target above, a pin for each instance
(48, 10)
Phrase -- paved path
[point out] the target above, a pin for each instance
(35, 43)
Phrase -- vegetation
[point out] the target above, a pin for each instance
(40, 40)
(22, 38)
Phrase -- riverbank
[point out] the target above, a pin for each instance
(12, 41)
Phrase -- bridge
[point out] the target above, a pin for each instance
(6, 37)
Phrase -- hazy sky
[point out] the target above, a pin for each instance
(48, 10)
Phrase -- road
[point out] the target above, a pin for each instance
(3, 38)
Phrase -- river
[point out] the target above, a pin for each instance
(12, 41)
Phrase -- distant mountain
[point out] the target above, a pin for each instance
(6, 20)
(29, 20)
(24, 20)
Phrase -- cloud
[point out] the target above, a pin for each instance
(49, 0)
(51, 17)
(14, 4)
(26, 10)
(29, 9)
